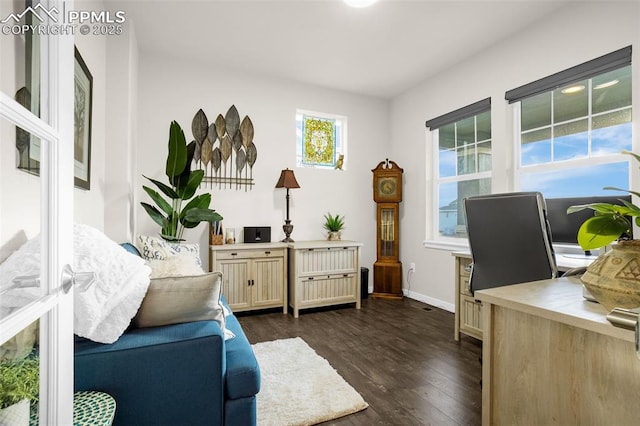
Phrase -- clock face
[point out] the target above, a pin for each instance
(388, 187)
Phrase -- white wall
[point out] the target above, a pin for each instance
(122, 109)
(89, 206)
(573, 35)
(174, 90)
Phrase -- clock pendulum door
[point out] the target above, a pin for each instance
(387, 193)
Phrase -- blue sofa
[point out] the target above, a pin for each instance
(180, 374)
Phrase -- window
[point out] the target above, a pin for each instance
(462, 166)
(570, 135)
(321, 140)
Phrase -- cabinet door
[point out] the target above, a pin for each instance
(471, 316)
(235, 283)
(268, 281)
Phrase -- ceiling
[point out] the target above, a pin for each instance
(379, 51)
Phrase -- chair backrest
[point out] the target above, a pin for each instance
(509, 238)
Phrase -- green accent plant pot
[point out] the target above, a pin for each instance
(613, 279)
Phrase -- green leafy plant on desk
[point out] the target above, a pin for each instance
(610, 221)
(613, 278)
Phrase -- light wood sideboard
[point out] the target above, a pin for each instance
(551, 357)
(323, 273)
(468, 315)
(254, 274)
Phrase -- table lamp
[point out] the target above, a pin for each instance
(287, 180)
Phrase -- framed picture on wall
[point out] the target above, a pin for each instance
(83, 101)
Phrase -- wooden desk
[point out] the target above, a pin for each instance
(550, 357)
(468, 316)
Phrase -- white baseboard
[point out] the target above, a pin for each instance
(430, 301)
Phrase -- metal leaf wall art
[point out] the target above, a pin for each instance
(225, 149)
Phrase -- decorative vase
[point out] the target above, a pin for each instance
(613, 279)
(16, 414)
(334, 236)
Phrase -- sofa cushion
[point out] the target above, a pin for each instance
(242, 377)
(173, 300)
(131, 249)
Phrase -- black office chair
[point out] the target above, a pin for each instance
(509, 238)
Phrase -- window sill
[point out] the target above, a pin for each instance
(446, 245)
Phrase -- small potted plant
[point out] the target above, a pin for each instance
(19, 388)
(334, 225)
(612, 279)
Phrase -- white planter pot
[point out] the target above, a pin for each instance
(334, 236)
(16, 414)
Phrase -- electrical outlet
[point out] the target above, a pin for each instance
(412, 267)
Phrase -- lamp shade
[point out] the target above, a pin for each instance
(287, 180)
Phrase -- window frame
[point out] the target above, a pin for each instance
(557, 165)
(434, 239)
(340, 131)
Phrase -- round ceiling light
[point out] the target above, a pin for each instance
(573, 89)
(607, 84)
(360, 3)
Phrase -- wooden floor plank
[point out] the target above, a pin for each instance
(400, 355)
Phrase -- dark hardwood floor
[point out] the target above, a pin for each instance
(400, 355)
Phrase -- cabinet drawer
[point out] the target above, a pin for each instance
(334, 259)
(333, 287)
(471, 316)
(248, 254)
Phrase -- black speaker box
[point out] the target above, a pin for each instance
(257, 234)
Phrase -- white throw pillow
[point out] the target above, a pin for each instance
(174, 266)
(102, 310)
(179, 299)
(157, 248)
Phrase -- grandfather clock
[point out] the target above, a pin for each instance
(387, 193)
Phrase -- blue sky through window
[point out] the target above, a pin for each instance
(578, 181)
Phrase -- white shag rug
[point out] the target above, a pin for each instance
(299, 387)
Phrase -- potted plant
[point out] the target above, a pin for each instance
(334, 225)
(172, 217)
(613, 278)
(19, 388)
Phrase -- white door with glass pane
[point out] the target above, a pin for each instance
(36, 196)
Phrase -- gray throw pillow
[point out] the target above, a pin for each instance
(172, 300)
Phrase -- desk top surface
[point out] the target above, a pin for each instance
(564, 261)
(558, 300)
